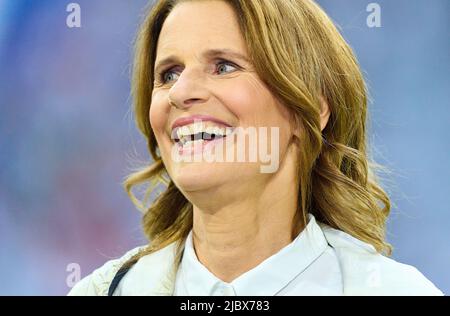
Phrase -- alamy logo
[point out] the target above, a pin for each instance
(374, 18)
(74, 276)
(198, 143)
(74, 17)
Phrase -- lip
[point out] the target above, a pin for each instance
(196, 118)
(199, 148)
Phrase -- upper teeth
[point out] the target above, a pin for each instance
(195, 128)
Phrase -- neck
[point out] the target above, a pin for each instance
(234, 237)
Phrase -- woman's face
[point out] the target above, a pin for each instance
(210, 81)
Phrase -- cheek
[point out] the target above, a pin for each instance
(243, 98)
(158, 114)
(253, 104)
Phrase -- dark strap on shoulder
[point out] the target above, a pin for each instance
(116, 280)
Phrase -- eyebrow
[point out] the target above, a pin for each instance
(210, 53)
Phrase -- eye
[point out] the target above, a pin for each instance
(167, 76)
(222, 66)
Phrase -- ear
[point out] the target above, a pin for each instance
(324, 117)
(296, 126)
(324, 112)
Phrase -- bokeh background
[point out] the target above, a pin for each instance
(67, 137)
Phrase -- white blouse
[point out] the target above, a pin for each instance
(307, 266)
(320, 261)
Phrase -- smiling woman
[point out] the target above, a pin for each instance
(209, 76)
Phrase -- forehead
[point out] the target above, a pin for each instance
(196, 25)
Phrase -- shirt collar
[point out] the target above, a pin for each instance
(267, 279)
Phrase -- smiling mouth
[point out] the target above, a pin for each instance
(196, 133)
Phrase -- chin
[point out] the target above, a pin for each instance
(197, 176)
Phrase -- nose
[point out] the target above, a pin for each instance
(188, 90)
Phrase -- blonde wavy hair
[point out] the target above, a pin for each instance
(301, 56)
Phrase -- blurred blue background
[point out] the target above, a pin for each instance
(67, 137)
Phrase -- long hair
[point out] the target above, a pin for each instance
(301, 56)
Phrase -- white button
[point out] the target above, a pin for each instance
(228, 291)
(222, 289)
(217, 290)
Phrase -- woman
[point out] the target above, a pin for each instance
(207, 73)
